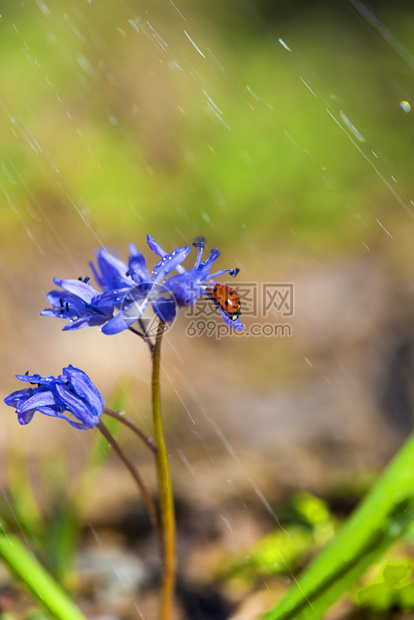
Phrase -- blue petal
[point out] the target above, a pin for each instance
(117, 324)
(84, 321)
(13, 399)
(37, 379)
(157, 249)
(137, 267)
(165, 309)
(185, 287)
(84, 387)
(39, 399)
(80, 289)
(169, 263)
(79, 407)
(100, 280)
(58, 314)
(111, 299)
(25, 417)
(113, 269)
(59, 414)
(104, 304)
(65, 303)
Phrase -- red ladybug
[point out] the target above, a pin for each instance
(225, 298)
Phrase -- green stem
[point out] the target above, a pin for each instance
(121, 418)
(134, 472)
(164, 483)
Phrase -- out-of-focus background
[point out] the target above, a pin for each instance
(282, 132)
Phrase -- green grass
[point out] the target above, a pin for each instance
(384, 515)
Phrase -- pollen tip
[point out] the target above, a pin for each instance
(199, 242)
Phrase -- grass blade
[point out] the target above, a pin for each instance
(37, 581)
(381, 519)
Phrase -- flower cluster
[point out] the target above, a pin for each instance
(128, 289)
(71, 392)
(126, 292)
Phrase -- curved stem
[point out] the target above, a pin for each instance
(164, 483)
(134, 472)
(143, 336)
(147, 440)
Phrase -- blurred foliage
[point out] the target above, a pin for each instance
(391, 588)
(309, 525)
(190, 119)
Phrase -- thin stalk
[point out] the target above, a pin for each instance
(143, 336)
(134, 472)
(164, 484)
(121, 418)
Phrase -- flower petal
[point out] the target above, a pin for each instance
(25, 417)
(44, 398)
(169, 263)
(117, 324)
(137, 267)
(13, 399)
(84, 321)
(81, 289)
(59, 414)
(113, 270)
(36, 379)
(157, 249)
(84, 387)
(165, 309)
(185, 287)
(79, 407)
(66, 304)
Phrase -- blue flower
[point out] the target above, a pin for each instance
(72, 392)
(80, 303)
(189, 285)
(113, 271)
(131, 288)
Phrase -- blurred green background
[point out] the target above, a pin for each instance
(280, 131)
(181, 119)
